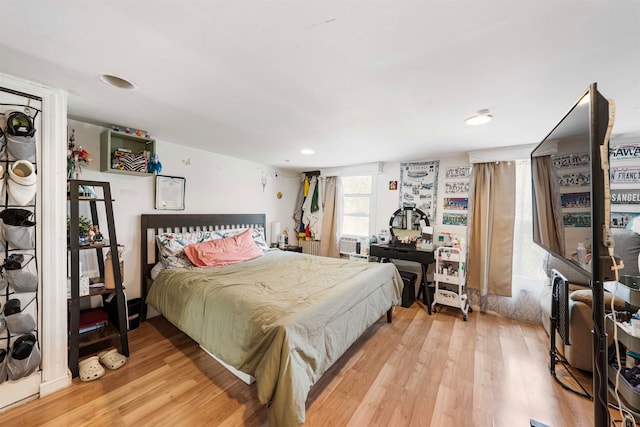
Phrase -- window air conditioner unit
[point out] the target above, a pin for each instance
(350, 245)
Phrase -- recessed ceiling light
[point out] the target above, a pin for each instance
(481, 118)
(307, 151)
(119, 82)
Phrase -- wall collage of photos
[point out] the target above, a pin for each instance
(419, 185)
(456, 197)
(624, 165)
(574, 179)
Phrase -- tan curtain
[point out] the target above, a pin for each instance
(328, 241)
(491, 219)
(546, 228)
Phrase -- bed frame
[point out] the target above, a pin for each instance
(152, 225)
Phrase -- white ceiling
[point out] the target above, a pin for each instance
(357, 81)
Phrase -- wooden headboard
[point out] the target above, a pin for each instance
(152, 225)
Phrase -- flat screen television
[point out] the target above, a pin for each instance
(571, 202)
(571, 211)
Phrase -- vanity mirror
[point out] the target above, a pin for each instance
(407, 223)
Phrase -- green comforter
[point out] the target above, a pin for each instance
(283, 318)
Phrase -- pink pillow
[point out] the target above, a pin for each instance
(229, 250)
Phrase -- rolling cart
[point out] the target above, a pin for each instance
(449, 277)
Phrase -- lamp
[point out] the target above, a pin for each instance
(275, 232)
(482, 117)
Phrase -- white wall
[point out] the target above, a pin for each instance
(214, 184)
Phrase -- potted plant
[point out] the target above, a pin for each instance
(84, 225)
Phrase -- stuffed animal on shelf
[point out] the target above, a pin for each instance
(154, 164)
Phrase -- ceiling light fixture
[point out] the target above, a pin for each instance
(482, 117)
(307, 151)
(118, 82)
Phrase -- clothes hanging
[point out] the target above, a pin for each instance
(297, 209)
(311, 217)
(306, 186)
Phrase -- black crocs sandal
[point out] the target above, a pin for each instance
(14, 262)
(12, 307)
(23, 347)
(17, 217)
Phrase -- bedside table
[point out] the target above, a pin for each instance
(292, 249)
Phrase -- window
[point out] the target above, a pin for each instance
(527, 256)
(356, 207)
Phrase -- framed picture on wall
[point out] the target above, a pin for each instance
(170, 192)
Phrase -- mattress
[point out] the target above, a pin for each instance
(283, 318)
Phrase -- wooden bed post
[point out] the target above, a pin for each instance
(389, 315)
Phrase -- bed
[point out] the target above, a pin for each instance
(282, 318)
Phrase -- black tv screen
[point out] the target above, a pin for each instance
(568, 184)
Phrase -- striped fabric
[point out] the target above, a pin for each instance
(134, 162)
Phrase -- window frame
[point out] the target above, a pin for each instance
(372, 204)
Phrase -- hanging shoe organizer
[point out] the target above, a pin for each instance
(19, 341)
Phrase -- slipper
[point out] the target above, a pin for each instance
(12, 307)
(90, 369)
(24, 358)
(112, 359)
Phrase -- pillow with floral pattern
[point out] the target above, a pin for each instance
(171, 246)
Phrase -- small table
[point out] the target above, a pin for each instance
(418, 255)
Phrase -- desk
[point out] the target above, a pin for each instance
(408, 254)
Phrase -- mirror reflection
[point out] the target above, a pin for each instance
(407, 223)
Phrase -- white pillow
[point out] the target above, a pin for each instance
(156, 270)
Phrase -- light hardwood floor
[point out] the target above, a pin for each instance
(420, 370)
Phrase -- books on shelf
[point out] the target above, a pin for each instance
(93, 319)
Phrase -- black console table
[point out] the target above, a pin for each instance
(421, 256)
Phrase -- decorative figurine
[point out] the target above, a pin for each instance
(154, 164)
(127, 131)
(97, 238)
(138, 133)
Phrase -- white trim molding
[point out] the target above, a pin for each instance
(361, 169)
(502, 154)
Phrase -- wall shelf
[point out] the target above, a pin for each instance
(111, 141)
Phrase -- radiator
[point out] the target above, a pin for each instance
(311, 247)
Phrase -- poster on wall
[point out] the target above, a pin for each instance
(458, 172)
(456, 187)
(578, 179)
(625, 197)
(624, 152)
(419, 185)
(623, 219)
(625, 175)
(571, 161)
(576, 219)
(576, 200)
(450, 218)
(456, 203)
